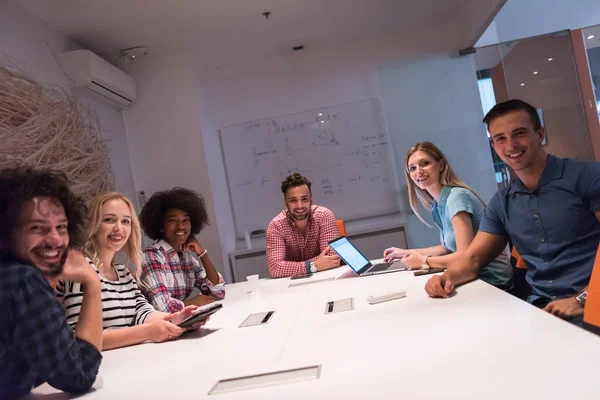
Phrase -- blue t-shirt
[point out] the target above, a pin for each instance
(454, 200)
(553, 228)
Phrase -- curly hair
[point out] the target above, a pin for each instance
(22, 184)
(153, 214)
(294, 180)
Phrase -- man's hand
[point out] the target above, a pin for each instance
(564, 308)
(413, 259)
(325, 262)
(194, 245)
(393, 253)
(439, 286)
(78, 269)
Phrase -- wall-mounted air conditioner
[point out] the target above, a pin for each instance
(94, 76)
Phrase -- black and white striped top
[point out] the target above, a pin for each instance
(122, 302)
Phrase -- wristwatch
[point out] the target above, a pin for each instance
(313, 267)
(581, 298)
(424, 265)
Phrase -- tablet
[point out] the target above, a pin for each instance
(200, 315)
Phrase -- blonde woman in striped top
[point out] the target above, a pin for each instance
(128, 318)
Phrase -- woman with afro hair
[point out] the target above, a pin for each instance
(176, 262)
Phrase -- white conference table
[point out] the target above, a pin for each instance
(479, 344)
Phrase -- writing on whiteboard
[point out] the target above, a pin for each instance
(344, 150)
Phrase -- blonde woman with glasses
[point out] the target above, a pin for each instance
(128, 318)
(456, 211)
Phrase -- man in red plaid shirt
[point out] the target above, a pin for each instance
(297, 237)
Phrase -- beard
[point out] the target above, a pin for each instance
(299, 217)
(57, 268)
(50, 269)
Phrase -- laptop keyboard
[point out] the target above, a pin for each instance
(380, 267)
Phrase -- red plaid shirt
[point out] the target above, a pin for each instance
(288, 249)
(168, 279)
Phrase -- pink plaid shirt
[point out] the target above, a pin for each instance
(288, 249)
(168, 279)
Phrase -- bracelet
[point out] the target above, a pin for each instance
(425, 266)
(203, 253)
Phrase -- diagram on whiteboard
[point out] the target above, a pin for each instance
(343, 150)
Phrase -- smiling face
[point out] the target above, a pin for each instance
(298, 201)
(176, 227)
(115, 226)
(516, 141)
(424, 170)
(41, 238)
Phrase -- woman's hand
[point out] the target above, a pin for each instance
(194, 245)
(394, 253)
(162, 330)
(413, 259)
(180, 316)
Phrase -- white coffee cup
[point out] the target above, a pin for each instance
(253, 279)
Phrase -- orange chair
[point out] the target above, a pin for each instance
(521, 288)
(341, 226)
(591, 313)
(518, 261)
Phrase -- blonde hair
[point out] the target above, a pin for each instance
(133, 246)
(447, 178)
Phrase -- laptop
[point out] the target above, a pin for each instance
(358, 262)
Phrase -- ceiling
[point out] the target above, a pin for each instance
(221, 30)
(489, 56)
(595, 41)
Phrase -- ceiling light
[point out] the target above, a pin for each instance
(522, 84)
(535, 72)
(550, 59)
(320, 114)
(591, 37)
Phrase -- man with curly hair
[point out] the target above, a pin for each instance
(297, 238)
(41, 221)
(176, 263)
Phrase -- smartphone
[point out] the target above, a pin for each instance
(429, 271)
(302, 276)
(200, 315)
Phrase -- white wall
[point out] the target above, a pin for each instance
(31, 44)
(350, 72)
(166, 141)
(173, 127)
(520, 19)
(435, 98)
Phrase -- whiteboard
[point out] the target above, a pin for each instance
(343, 150)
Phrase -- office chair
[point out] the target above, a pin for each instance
(341, 226)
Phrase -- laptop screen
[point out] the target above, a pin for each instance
(349, 254)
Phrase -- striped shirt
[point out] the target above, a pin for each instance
(123, 304)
